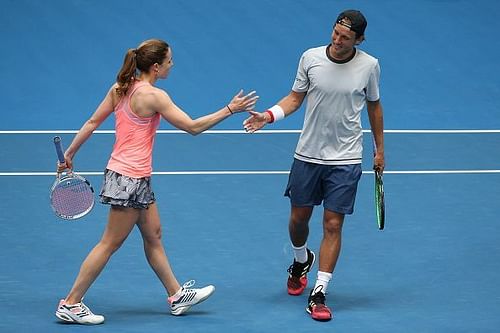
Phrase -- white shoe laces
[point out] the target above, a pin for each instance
(188, 284)
(85, 310)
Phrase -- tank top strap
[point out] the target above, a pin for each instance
(137, 85)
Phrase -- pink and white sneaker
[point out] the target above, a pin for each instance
(77, 313)
(186, 297)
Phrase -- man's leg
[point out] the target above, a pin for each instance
(298, 228)
(328, 256)
(331, 243)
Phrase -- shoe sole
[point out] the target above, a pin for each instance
(318, 319)
(64, 317)
(295, 293)
(183, 309)
(67, 319)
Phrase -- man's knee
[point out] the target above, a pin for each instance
(333, 222)
(300, 215)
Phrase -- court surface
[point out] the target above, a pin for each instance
(435, 268)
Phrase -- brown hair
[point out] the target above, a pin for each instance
(142, 58)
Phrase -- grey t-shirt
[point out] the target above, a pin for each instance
(336, 95)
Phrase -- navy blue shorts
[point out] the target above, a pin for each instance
(309, 184)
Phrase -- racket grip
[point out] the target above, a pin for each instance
(59, 149)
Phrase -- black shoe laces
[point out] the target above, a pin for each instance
(317, 296)
(298, 269)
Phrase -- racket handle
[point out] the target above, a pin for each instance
(374, 146)
(59, 149)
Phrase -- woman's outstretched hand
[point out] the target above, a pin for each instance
(241, 102)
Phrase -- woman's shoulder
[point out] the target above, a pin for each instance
(153, 94)
(151, 97)
(113, 94)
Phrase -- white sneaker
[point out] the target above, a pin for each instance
(77, 313)
(185, 298)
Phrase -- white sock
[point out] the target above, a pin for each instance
(300, 253)
(322, 282)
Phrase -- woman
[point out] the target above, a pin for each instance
(138, 106)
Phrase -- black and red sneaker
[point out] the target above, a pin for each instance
(316, 306)
(297, 274)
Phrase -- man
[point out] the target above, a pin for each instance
(338, 81)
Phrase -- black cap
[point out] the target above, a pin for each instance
(357, 22)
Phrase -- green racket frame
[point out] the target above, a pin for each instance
(379, 200)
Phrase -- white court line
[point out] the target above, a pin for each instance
(291, 131)
(279, 172)
(90, 173)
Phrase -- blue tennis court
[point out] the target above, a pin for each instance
(435, 268)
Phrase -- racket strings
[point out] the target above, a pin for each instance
(72, 197)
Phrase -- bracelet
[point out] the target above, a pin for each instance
(227, 106)
(269, 112)
(276, 113)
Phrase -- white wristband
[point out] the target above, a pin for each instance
(276, 113)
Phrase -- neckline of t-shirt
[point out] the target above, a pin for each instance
(339, 61)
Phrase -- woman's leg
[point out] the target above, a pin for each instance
(150, 227)
(121, 221)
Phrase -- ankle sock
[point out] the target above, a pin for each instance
(322, 282)
(300, 253)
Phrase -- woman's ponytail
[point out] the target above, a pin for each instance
(127, 73)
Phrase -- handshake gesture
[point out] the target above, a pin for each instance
(257, 120)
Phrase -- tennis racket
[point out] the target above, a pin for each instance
(71, 195)
(379, 199)
(379, 195)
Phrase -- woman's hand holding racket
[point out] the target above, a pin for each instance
(71, 195)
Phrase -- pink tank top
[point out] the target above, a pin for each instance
(132, 153)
